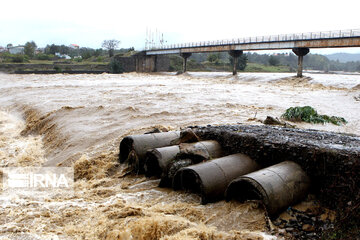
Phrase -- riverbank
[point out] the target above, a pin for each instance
(49, 67)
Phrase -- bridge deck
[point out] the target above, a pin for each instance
(333, 39)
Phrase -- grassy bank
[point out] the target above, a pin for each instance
(251, 67)
(206, 66)
(36, 66)
(256, 67)
(54, 67)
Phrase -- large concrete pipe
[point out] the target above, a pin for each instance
(210, 179)
(190, 153)
(133, 148)
(277, 186)
(157, 159)
(200, 151)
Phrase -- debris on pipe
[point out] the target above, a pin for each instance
(157, 159)
(200, 151)
(133, 148)
(277, 186)
(187, 136)
(210, 179)
(190, 153)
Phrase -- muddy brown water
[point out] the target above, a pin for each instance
(79, 120)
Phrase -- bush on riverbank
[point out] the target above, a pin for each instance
(115, 66)
(14, 58)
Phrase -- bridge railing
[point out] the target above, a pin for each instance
(263, 39)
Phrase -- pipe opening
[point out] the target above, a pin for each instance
(126, 146)
(152, 167)
(173, 168)
(190, 181)
(244, 190)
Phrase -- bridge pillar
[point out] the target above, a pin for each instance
(300, 52)
(185, 56)
(235, 54)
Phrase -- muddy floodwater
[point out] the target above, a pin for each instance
(79, 121)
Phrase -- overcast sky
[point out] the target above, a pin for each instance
(88, 23)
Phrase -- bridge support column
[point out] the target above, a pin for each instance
(235, 54)
(185, 56)
(300, 52)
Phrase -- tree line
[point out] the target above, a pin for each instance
(311, 61)
(52, 52)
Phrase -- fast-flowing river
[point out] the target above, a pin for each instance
(79, 121)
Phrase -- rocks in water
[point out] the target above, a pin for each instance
(275, 121)
(303, 224)
(308, 228)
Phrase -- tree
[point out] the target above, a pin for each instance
(273, 61)
(214, 58)
(111, 45)
(242, 62)
(115, 66)
(98, 52)
(30, 48)
(52, 49)
(64, 49)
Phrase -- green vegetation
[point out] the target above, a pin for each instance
(58, 69)
(222, 62)
(242, 62)
(287, 62)
(175, 63)
(30, 48)
(63, 58)
(274, 61)
(214, 58)
(42, 57)
(310, 115)
(14, 58)
(256, 67)
(115, 66)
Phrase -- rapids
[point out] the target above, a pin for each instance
(79, 120)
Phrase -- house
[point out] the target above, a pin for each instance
(16, 50)
(74, 46)
(40, 50)
(62, 56)
(2, 49)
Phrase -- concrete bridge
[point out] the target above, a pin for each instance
(299, 43)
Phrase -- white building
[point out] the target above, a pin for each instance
(62, 56)
(16, 50)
